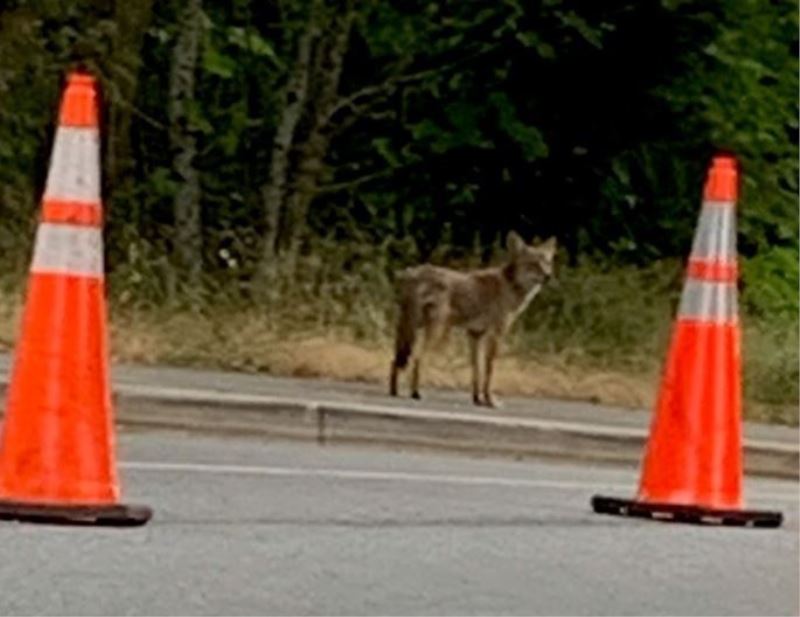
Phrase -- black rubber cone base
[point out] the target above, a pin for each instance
(114, 515)
(686, 514)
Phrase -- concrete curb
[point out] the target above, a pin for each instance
(200, 410)
(335, 422)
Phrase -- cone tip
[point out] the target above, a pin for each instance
(725, 159)
(80, 78)
(722, 183)
(79, 105)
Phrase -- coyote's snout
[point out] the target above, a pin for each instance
(483, 302)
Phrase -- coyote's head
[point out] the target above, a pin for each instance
(529, 266)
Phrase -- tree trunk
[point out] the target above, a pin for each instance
(326, 74)
(294, 97)
(188, 232)
(132, 20)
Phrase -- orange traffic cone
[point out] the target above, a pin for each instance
(57, 461)
(692, 470)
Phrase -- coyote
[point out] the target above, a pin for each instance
(483, 302)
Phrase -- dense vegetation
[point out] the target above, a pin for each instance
(281, 153)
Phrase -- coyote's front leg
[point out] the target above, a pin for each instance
(483, 350)
(492, 345)
(477, 353)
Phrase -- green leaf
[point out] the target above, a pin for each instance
(591, 35)
(426, 129)
(528, 137)
(197, 119)
(383, 146)
(218, 64)
(251, 42)
(546, 51)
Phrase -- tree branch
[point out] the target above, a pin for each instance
(393, 82)
(359, 114)
(385, 88)
(351, 184)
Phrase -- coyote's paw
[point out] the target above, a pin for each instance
(490, 402)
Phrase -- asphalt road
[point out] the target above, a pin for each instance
(248, 527)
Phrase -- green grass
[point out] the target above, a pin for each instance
(596, 334)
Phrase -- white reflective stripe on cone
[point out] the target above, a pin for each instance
(709, 301)
(68, 249)
(715, 237)
(715, 203)
(74, 165)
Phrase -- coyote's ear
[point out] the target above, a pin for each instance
(514, 243)
(549, 246)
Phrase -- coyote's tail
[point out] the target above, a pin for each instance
(406, 322)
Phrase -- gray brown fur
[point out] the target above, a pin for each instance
(483, 302)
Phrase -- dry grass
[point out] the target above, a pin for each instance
(251, 342)
(594, 340)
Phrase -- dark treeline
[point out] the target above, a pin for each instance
(240, 134)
